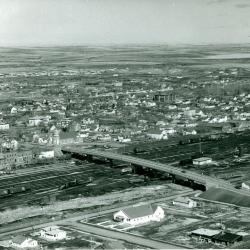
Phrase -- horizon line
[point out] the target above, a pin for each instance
(121, 45)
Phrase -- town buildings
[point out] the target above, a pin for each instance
(16, 158)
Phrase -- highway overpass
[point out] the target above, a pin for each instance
(205, 180)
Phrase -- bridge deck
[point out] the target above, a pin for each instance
(190, 175)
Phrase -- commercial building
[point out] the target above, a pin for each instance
(16, 158)
(140, 214)
(37, 120)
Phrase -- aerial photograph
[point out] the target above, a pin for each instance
(124, 124)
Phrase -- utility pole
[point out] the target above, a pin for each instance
(200, 147)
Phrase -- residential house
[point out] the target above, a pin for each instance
(157, 134)
(140, 214)
(23, 242)
(185, 202)
(13, 110)
(53, 233)
(245, 185)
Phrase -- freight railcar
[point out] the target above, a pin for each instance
(13, 190)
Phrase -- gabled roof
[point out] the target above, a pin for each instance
(140, 211)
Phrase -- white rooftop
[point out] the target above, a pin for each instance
(206, 232)
(203, 159)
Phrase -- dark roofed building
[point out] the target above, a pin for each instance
(217, 236)
(227, 238)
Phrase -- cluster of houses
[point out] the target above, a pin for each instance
(123, 112)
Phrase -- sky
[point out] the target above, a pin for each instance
(91, 22)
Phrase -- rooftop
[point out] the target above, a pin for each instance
(140, 211)
(206, 232)
(227, 237)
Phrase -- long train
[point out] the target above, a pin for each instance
(13, 190)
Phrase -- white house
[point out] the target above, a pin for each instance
(53, 233)
(13, 110)
(139, 214)
(4, 126)
(245, 185)
(35, 121)
(23, 242)
(202, 161)
(185, 202)
(47, 154)
(157, 134)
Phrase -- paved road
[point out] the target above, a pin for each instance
(131, 238)
(6, 232)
